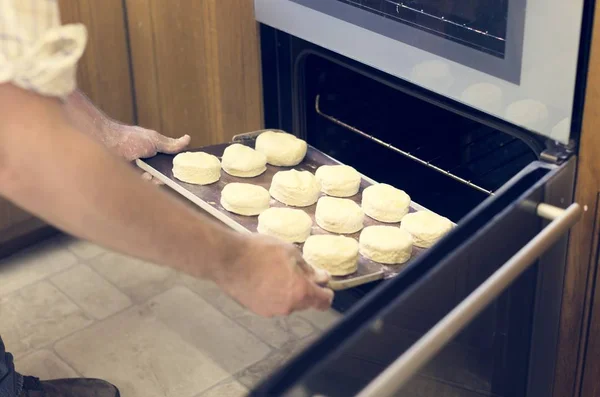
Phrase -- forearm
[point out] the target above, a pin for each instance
(64, 177)
(86, 117)
(128, 142)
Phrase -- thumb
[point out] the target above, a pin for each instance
(168, 145)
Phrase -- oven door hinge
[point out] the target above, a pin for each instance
(557, 153)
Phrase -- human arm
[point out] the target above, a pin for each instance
(66, 178)
(129, 142)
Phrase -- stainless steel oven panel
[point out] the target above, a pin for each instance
(500, 239)
(548, 61)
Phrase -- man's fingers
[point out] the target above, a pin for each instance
(148, 178)
(168, 145)
(322, 298)
(319, 276)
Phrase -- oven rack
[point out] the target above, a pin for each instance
(428, 163)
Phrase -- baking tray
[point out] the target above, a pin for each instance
(208, 198)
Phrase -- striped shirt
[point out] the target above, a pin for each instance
(36, 52)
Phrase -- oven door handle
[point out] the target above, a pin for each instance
(407, 365)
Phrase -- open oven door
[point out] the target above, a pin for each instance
(463, 319)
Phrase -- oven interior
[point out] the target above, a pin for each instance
(448, 161)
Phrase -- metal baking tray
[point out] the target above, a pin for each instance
(208, 198)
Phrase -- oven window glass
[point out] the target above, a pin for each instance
(479, 24)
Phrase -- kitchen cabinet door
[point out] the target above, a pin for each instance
(579, 351)
(11, 215)
(104, 72)
(18, 228)
(196, 67)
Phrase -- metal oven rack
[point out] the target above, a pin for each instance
(431, 162)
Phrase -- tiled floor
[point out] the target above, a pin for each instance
(69, 308)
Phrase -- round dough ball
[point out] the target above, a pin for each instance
(486, 96)
(338, 180)
(386, 244)
(295, 188)
(385, 203)
(197, 168)
(281, 149)
(243, 161)
(528, 113)
(425, 227)
(339, 215)
(245, 199)
(336, 254)
(288, 224)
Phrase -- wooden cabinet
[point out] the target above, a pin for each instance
(179, 67)
(196, 67)
(104, 73)
(18, 228)
(13, 221)
(578, 364)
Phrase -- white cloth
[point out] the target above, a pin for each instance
(36, 52)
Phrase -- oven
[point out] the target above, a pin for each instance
(473, 108)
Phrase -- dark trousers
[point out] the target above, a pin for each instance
(11, 382)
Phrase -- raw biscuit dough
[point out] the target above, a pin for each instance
(288, 224)
(243, 161)
(338, 180)
(425, 227)
(336, 254)
(339, 215)
(281, 149)
(385, 203)
(197, 168)
(295, 188)
(245, 199)
(386, 244)
(528, 113)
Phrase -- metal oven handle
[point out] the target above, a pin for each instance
(405, 366)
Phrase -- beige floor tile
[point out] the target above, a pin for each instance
(138, 279)
(276, 331)
(321, 320)
(142, 356)
(213, 295)
(45, 365)
(254, 374)
(228, 344)
(36, 316)
(95, 295)
(84, 249)
(34, 265)
(229, 388)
